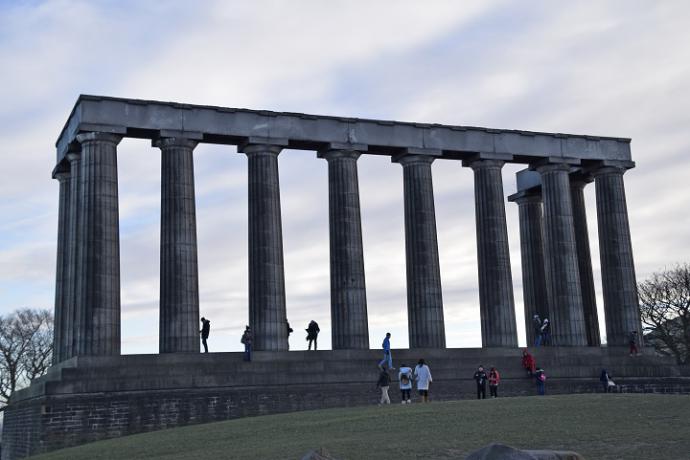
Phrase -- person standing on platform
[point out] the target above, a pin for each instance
(494, 380)
(540, 376)
(546, 332)
(205, 329)
(423, 375)
(247, 341)
(384, 383)
(633, 344)
(480, 377)
(289, 331)
(386, 345)
(405, 378)
(536, 325)
(312, 333)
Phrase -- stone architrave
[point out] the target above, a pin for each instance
(98, 253)
(496, 302)
(617, 268)
(267, 312)
(179, 272)
(424, 295)
(562, 273)
(62, 320)
(534, 283)
(349, 323)
(584, 259)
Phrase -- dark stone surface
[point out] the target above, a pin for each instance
(267, 313)
(424, 296)
(153, 119)
(496, 451)
(63, 320)
(90, 398)
(560, 251)
(534, 285)
(496, 302)
(349, 321)
(97, 264)
(179, 271)
(617, 267)
(584, 260)
(318, 454)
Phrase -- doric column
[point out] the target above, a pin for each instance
(266, 269)
(98, 253)
(584, 259)
(62, 280)
(179, 273)
(496, 302)
(349, 323)
(534, 285)
(72, 320)
(562, 273)
(615, 246)
(424, 296)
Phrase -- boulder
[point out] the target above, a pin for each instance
(495, 451)
(318, 454)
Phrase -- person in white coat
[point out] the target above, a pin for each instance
(422, 374)
(405, 377)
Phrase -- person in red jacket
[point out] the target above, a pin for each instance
(494, 380)
(528, 362)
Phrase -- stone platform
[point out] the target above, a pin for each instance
(86, 399)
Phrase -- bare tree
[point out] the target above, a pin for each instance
(665, 311)
(26, 348)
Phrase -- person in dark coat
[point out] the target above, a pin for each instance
(540, 377)
(246, 339)
(536, 324)
(289, 331)
(384, 383)
(480, 377)
(312, 333)
(205, 329)
(546, 332)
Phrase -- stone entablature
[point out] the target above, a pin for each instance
(223, 125)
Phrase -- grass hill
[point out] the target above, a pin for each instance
(599, 426)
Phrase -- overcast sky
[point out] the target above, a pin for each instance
(617, 68)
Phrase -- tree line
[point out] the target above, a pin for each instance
(26, 349)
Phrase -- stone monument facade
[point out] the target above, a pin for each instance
(93, 392)
(557, 269)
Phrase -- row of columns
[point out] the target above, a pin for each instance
(558, 281)
(557, 272)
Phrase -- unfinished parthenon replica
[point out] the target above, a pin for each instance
(92, 392)
(557, 264)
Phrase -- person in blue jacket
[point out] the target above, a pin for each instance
(387, 359)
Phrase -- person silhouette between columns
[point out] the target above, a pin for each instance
(247, 342)
(205, 329)
(312, 333)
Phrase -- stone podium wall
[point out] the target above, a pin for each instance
(85, 400)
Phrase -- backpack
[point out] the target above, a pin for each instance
(542, 377)
(405, 379)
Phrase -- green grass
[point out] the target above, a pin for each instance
(626, 426)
